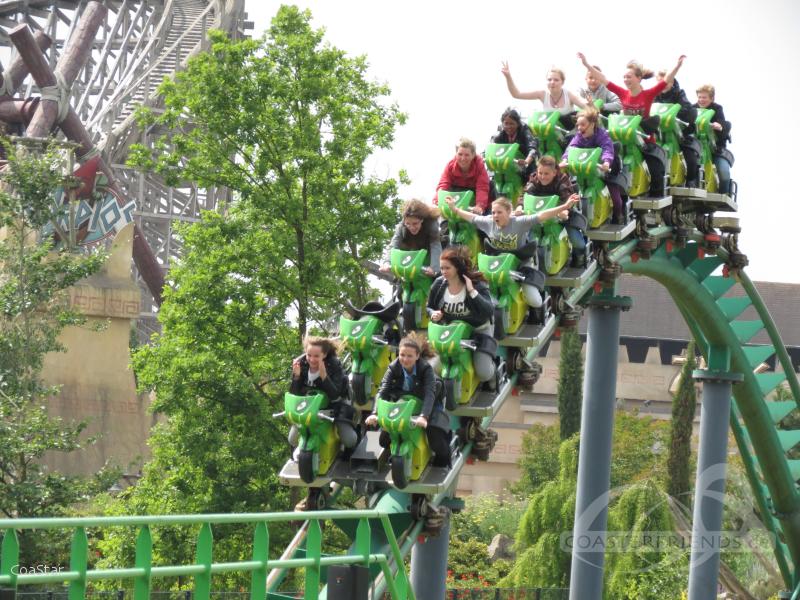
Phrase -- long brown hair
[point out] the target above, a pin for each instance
(459, 257)
(328, 346)
(418, 209)
(419, 343)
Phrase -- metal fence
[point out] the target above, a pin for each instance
(509, 594)
(452, 594)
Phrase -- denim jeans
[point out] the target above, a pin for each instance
(724, 173)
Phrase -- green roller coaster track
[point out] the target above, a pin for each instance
(382, 537)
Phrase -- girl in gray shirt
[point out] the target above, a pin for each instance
(506, 231)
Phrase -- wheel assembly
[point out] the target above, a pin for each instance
(360, 386)
(305, 464)
(419, 507)
(409, 317)
(500, 318)
(399, 472)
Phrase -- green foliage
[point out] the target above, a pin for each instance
(469, 567)
(286, 123)
(636, 450)
(633, 457)
(680, 445)
(643, 570)
(34, 305)
(539, 461)
(570, 383)
(541, 558)
(541, 561)
(486, 515)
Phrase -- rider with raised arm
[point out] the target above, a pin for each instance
(591, 135)
(410, 373)
(467, 171)
(688, 113)
(637, 100)
(554, 97)
(507, 231)
(418, 230)
(320, 370)
(595, 90)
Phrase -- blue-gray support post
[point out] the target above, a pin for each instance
(429, 565)
(712, 459)
(594, 460)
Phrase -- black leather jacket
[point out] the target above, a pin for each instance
(334, 386)
(424, 388)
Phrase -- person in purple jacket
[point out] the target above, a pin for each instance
(591, 135)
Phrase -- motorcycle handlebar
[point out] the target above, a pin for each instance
(278, 414)
(469, 344)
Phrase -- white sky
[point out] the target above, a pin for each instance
(441, 60)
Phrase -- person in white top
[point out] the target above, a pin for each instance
(554, 98)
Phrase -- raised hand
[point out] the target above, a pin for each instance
(468, 284)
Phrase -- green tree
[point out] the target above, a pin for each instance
(538, 463)
(34, 277)
(642, 569)
(570, 382)
(541, 558)
(286, 122)
(684, 403)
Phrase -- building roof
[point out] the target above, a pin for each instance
(655, 317)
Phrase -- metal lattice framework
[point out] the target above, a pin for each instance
(138, 44)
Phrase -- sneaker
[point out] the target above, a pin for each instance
(296, 454)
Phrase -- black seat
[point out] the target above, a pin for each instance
(374, 308)
(524, 253)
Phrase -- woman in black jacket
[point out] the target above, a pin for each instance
(462, 294)
(513, 131)
(410, 373)
(319, 370)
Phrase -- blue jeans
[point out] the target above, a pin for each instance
(576, 239)
(724, 173)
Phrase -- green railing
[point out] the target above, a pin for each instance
(143, 571)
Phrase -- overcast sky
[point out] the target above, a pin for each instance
(441, 60)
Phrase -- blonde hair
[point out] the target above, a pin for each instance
(707, 89)
(591, 114)
(419, 343)
(467, 143)
(639, 70)
(558, 72)
(504, 202)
